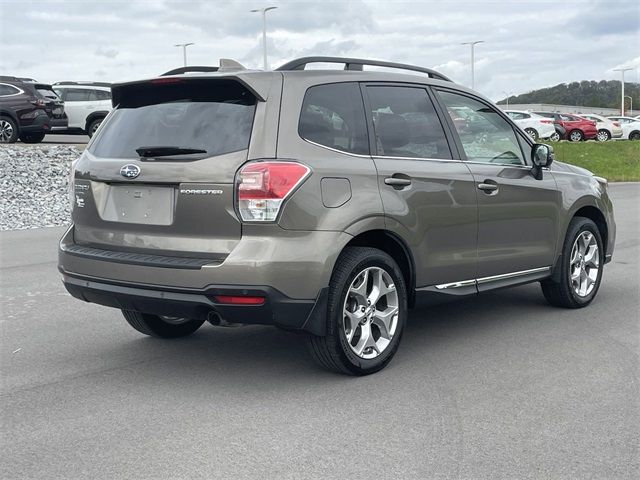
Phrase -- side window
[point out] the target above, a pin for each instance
(77, 95)
(567, 118)
(516, 115)
(103, 95)
(333, 115)
(485, 136)
(525, 115)
(406, 123)
(6, 90)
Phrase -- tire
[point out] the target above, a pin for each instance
(532, 133)
(603, 136)
(576, 136)
(562, 293)
(93, 126)
(555, 137)
(8, 130)
(635, 135)
(159, 327)
(336, 350)
(32, 137)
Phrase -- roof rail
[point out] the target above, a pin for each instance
(357, 64)
(190, 69)
(91, 84)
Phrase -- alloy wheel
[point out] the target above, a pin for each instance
(584, 264)
(370, 312)
(6, 131)
(575, 136)
(603, 136)
(555, 137)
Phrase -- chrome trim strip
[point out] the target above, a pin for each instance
(512, 275)
(463, 283)
(493, 278)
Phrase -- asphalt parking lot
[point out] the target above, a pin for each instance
(496, 386)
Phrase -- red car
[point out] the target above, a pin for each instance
(577, 128)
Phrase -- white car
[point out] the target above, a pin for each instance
(607, 128)
(630, 127)
(536, 126)
(86, 104)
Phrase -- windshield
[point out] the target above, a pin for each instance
(194, 117)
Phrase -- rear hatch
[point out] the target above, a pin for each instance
(158, 177)
(53, 105)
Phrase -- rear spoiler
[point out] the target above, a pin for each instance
(259, 85)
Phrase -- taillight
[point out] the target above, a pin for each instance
(616, 124)
(546, 121)
(263, 186)
(39, 102)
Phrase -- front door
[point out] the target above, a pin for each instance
(429, 198)
(518, 216)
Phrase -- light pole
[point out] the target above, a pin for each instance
(508, 94)
(473, 44)
(630, 106)
(184, 51)
(264, 32)
(622, 97)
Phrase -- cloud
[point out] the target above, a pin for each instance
(528, 44)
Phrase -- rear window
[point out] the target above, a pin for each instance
(215, 116)
(47, 92)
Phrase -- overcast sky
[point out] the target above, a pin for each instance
(528, 44)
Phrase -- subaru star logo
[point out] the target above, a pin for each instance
(130, 171)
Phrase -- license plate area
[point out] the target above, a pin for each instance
(139, 204)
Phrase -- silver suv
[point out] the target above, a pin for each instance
(326, 202)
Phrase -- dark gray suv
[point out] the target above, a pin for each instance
(327, 202)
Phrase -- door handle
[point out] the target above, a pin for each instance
(397, 182)
(488, 187)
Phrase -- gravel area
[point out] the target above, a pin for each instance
(34, 182)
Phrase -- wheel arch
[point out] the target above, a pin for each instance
(11, 114)
(396, 248)
(94, 116)
(593, 213)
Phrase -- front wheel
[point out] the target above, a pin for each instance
(161, 326)
(555, 137)
(576, 136)
(32, 137)
(580, 267)
(366, 313)
(634, 136)
(603, 136)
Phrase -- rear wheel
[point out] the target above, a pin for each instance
(366, 313)
(93, 126)
(603, 136)
(32, 137)
(8, 130)
(576, 136)
(161, 326)
(580, 267)
(532, 133)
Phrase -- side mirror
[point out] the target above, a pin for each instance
(541, 156)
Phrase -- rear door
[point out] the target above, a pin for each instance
(77, 105)
(163, 201)
(518, 216)
(429, 198)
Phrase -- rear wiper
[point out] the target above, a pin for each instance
(167, 151)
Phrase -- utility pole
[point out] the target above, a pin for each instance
(630, 106)
(184, 51)
(622, 97)
(264, 32)
(508, 94)
(473, 60)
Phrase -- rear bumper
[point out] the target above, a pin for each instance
(44, 123)
(277, 309)
(290, 269)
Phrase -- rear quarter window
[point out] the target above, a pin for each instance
(333, 116)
